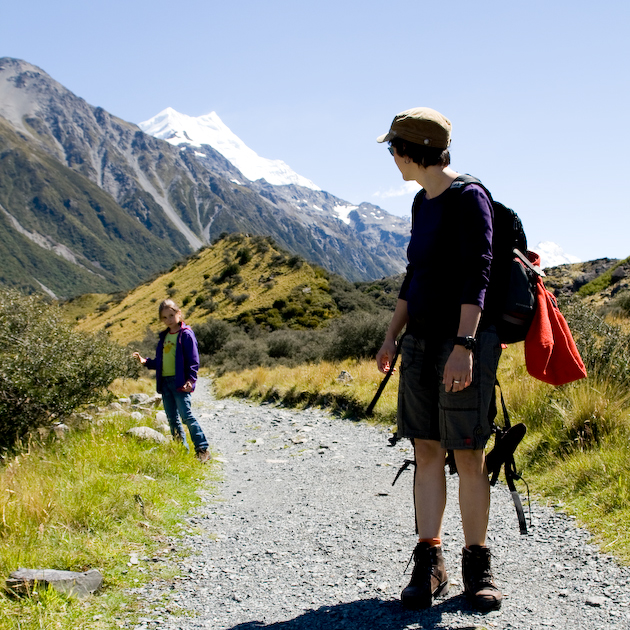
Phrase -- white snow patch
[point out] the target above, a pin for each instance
(235, 181)
(317, 208)
(209, 129)
(200, 154)
(343, 212)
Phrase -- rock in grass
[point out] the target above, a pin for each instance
(147, 433)
(61, 431)
(25, 581)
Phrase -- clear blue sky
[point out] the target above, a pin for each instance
(538, 91)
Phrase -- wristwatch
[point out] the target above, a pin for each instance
(470, 343)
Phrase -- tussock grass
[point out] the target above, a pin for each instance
(316, 384)
(89, 502)
(575, 454)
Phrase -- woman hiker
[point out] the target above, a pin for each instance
(449, 355)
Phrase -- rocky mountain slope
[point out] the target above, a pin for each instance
(89, 202)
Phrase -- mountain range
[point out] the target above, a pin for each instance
(90, 202)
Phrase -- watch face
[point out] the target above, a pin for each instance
(467, 342)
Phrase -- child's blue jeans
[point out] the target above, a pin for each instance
(177, 408)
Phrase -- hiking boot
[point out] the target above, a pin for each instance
(479, 586)
(204, 455)
(428, 578)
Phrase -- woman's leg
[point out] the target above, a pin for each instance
(183, 400)
(474, 495)
(429, 488)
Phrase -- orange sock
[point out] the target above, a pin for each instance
(433, 542)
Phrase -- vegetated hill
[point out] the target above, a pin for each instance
(68, 168)
(252, 303)
(244, 280)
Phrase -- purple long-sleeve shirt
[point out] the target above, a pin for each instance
(450, 254)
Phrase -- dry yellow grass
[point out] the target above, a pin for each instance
(316, 384)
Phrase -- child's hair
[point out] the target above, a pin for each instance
(168, 304)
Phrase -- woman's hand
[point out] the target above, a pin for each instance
(458, 370)
(385, 355)
(136, 355)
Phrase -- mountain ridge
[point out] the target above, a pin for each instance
(176, 195)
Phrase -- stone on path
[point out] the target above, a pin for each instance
(24, 581)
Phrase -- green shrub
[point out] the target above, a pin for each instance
(240, 299)
(48, 368)
(244, 255)
(242, 353)
(212, 335)
(230, 270)
(357, 335)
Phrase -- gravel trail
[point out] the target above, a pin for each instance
(306, 532)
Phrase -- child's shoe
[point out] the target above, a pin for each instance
(204, 455)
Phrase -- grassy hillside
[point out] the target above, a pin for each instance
(239, 279)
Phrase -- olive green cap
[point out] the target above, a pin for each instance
(421, 125)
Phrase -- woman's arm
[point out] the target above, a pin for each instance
(386, 354)
(458, 369)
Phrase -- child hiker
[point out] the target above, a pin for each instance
(176, 363)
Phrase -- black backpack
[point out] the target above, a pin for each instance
(511, 294)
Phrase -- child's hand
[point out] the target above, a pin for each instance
(136, 355)
(187, 387)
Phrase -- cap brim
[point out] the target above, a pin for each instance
(385, 137)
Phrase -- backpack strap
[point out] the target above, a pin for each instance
(502, 455)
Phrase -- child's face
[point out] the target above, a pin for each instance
(171, 318)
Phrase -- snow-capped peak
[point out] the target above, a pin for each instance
(552, 255)
(180, 129)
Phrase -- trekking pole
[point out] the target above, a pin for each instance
(381, 387)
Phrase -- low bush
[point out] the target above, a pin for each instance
(212, 335)
(47, 368)
(357, 335)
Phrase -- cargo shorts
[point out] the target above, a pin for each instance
(426, 411)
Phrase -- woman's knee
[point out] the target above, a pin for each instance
(470, 462)
(429, 453)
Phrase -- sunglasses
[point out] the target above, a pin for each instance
(390, 148)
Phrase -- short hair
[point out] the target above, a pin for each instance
(425, 156)
(168, 304)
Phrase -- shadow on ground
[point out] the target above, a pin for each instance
(375, 614)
